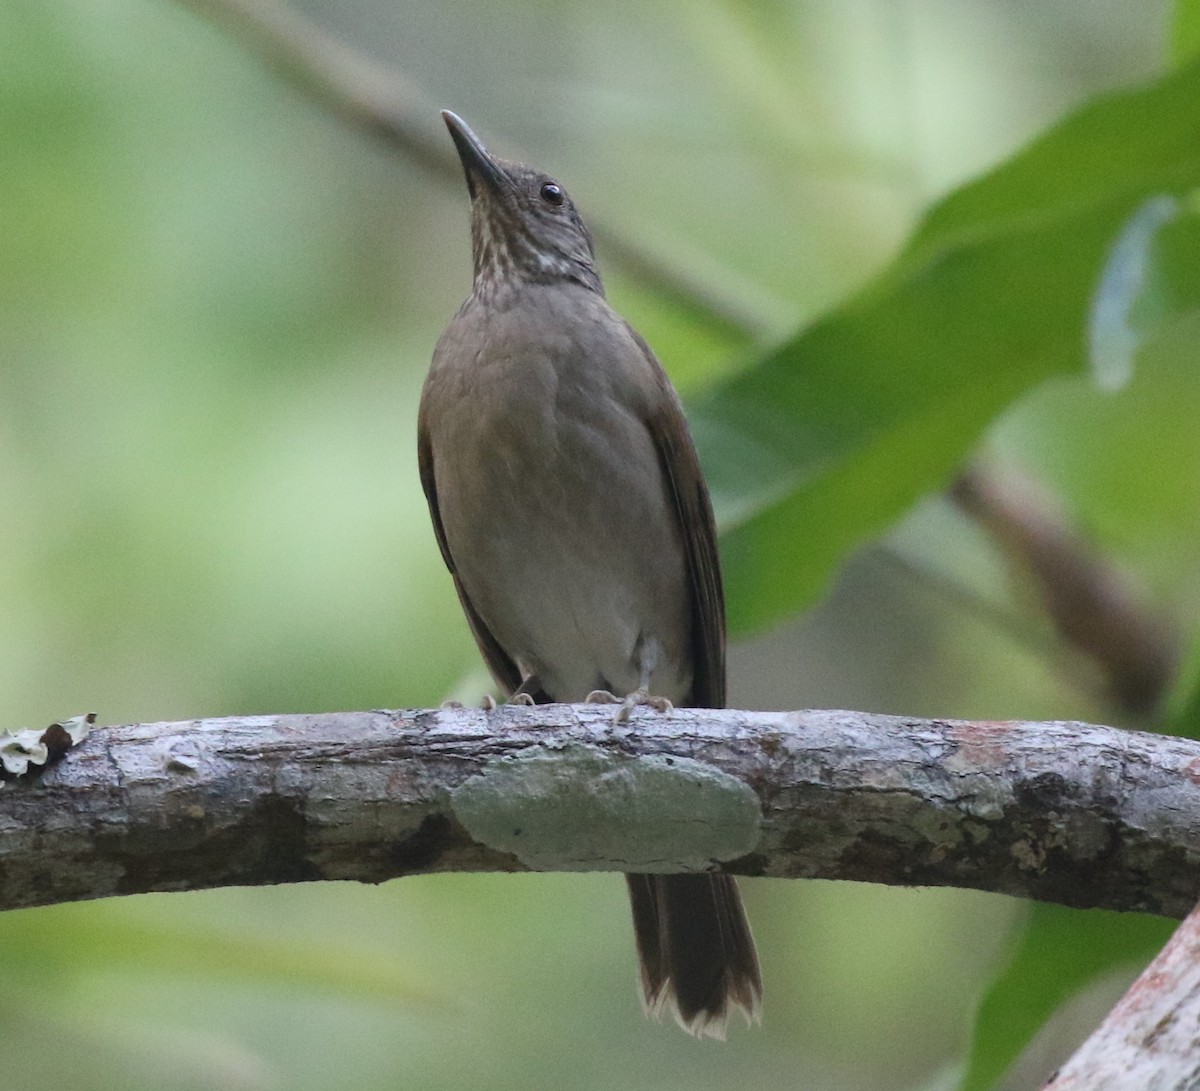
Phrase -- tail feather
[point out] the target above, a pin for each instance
(695, 949)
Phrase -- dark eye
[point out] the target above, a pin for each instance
(552, 193)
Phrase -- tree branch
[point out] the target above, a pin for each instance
(1148, 1041)
(1093, 605)
(1063, 812)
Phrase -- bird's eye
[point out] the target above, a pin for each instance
(552, 193)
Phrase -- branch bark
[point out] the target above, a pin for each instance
(1148, 1042)
(1063, 812)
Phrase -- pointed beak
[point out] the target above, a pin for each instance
(478, 165)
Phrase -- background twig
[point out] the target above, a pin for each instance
(1092, 604)
(381, 102)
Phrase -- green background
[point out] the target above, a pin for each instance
(217, 304)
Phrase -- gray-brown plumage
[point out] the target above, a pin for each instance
(571, 511)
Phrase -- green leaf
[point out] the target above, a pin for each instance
(1119, 316)
(1185, 31)
(1059, 952)
(1152, 277)
(1183, 704)
(1173, 284)
(827, 440)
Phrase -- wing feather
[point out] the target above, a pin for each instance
(693, 508)
(503, 669)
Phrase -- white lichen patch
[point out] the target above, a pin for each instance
(29, 746)
(78, 727)
(585, 809)
(18, 749)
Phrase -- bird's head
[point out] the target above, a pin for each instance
(524, 227)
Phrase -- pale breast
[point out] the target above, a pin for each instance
(555, 507)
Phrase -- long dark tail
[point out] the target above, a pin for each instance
(696, 952)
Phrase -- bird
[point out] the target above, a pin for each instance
(569, 505)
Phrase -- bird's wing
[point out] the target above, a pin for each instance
(504, 670)
(693, 509)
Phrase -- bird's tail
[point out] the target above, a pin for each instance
(696, 951)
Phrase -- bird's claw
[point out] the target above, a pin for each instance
(521, 699)
(638, 698)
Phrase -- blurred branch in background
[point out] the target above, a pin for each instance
(1092, 605)
(1149, 1039)
(1082, 815)
(378, 100)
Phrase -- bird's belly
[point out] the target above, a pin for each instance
(574, 560)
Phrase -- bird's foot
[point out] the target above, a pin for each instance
(521, 699)
(638, 698)
(488, 704)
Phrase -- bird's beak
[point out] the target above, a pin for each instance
(478, 165)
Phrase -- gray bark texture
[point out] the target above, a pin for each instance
(1063, 812)
(1151, 1040)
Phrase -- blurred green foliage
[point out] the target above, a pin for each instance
(216, 308)
(1185, 31)
(987, 301)
(1059, 952)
